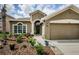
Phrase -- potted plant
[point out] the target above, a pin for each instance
(1, 46)
(46, 42)
(12, 46)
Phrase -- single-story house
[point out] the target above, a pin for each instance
(62, 24)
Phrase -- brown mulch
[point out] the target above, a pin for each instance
(20, 50)
(48, 51)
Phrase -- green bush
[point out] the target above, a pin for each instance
(4, 35)
(39, 49)
(32, 41)
(0, 36)
(1, 32)
(7, 32)
(23, 34)
(19, 39)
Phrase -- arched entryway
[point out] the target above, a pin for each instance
(37, 28)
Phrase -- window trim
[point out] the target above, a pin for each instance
(17, 28)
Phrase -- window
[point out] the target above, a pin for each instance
(24, 29)
(19, 28)
(15, 29)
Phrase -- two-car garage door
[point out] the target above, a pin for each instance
(64, 31)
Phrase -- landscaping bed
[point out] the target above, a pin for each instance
(23, 45)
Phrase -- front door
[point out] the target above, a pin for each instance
(37, 28)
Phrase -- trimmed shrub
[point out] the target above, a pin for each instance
(32, 41)
(39, 49)
(19, 39)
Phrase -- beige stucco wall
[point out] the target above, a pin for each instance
(68, 14)
(24, 22)
(8, 23)
(37, 16)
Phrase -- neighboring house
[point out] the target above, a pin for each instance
(63, 24)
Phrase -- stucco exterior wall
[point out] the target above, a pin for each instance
(37, 16)
(8, 23)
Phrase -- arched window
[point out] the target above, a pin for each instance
(20, 28)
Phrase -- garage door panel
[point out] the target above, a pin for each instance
(64, 31)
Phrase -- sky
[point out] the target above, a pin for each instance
(23, 10)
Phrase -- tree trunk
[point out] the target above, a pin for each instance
(4, 18)
(3, 12)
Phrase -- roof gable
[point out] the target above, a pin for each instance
(38, 11)
(72, 7)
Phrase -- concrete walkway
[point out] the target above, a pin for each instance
(40, 39)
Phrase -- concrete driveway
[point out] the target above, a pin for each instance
(66, 47)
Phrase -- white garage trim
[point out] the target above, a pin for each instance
(65, 21)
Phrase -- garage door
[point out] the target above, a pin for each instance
(64, 31)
